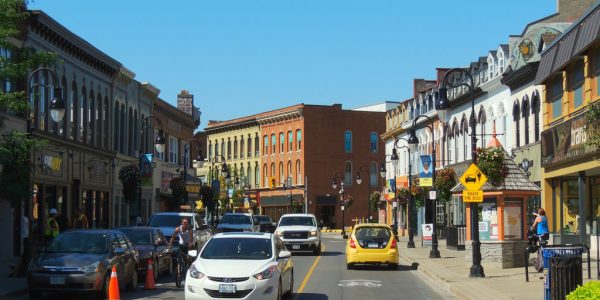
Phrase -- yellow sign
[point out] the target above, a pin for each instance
(473, 179)
(426, 181)
(199, 204)
(472, 196)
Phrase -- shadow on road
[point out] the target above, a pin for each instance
(309, 296)
(412, 267)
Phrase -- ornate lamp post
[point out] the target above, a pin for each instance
(394, 158)
(339, 176)
(410, 204)
(413, 142)
(442, 106)
(159, 144)
(359, 181)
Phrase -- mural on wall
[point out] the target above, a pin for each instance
(527, 49)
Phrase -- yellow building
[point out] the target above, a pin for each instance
(570, 73)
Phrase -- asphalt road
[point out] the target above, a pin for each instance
(317, 278)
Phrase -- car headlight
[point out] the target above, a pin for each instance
(93, 268)
(279, 233)
(267, 273)
(195, 273)
(313, 233)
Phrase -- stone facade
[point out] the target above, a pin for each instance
(499, 254)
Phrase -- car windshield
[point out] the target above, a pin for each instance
(79, 242)
(236, 219)
(139, 237)
(298, 221)
(237, 248)
(165, 221)
(264, 219)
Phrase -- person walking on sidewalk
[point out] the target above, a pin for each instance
(52, 229)
(80, 221)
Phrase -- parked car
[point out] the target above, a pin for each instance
(150, 244)
(82, 261)
(238, 222)
(372, 244)
(249, 265)
(167, 221)
(265, 222)
(300, 232)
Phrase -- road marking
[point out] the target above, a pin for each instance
(360, 282)
(312, 268)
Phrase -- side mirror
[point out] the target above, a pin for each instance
(118, 251)
(285, 254)
(193, 253)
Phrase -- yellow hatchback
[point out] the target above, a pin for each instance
(372, 244)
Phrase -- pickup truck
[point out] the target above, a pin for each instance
(300, 232)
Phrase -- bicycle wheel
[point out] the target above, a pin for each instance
(178, 273)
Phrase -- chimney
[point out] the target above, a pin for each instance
(185, 102)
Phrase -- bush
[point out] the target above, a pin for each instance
(590, 290)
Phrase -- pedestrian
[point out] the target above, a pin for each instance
(80, 221)
(52, 229)
(541, 224)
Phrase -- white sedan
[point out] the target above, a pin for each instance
(243, 265)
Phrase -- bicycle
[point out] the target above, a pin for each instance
(183, 263)
(537, 244)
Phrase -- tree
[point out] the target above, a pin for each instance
(445, 180)
(206, 194)
(593, 126)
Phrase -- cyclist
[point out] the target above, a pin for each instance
(185, 238)
(540, 227)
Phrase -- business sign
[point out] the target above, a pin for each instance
(473, 179)
(565, 141)
(427, 233)
(425, 171)
(146, 173)
(473, 196)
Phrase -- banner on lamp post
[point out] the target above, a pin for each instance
(425, 172)
(146, 171)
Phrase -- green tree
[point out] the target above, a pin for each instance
(445, 180)
(593, 126)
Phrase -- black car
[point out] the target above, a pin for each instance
(82, 261)
(151, 244)
(265, 222)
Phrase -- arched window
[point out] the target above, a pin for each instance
(117, 127)
(348, 141)
(73, 114)
(62, 131)
(249, 146)
(266, 176)
(273, 174)
(525, 111)
(228, 148)
(242, 148)
(517, 119)
(273, 143)
(98, 121)
(281, 174)
(457, 137)
(348, 173)
(373, 141)
(222, 150)
(257, 146)
(290, 141)
(210, 150)
(289, 172)
(235, 148)
(373, 175)
(249, 175)
(83, 115)
(535, 108)
(123, 130)
(299, 178)
(281, 142)
(464, 131)
(257, 174)
(299, 139)
(105, 120)
(91, 114)
(482, 120)
(265, 145)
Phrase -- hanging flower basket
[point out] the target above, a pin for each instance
(129, 176)
(177, 187)
(491, 163)
(445, 180)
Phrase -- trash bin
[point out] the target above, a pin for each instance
(565, 275)
(562, 271)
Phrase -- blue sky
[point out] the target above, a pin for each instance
(241, 57)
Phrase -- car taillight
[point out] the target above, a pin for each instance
(393, 245)
(352, 244)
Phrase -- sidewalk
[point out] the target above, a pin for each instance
(10, 287)
(450, 274)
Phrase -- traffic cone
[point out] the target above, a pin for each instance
(113, 286)
(150, 284)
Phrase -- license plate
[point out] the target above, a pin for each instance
(227, 288)
(295, 247)
(373, 245)
(57, 280)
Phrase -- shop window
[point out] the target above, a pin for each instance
(513, 219)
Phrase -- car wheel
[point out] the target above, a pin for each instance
(169, 270)
(155, 269)
(317, 250)
(134, 281)
(349, 266)
(289, 293)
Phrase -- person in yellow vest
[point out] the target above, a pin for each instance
(80, 221)
(52, 228)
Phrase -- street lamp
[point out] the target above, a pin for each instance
(413, 142)
(185, 165)
(214, 161)
(359, 181)
(442, 106)
(338, 176)
(410, 204)
(159, 144)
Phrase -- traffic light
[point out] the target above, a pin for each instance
(273, 182)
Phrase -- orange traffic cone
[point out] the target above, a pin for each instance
(150, 284)
(113, 286)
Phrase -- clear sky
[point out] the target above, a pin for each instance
(241, 57)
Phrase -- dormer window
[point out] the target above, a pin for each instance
(490, 68)
(500, 62)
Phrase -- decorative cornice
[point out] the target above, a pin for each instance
(125, 75)
(150, 90)
(520, 77)
(297, 114)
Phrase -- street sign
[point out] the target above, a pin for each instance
(432, 195)
(472, 196)
(473, 179)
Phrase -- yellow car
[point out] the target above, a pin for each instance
(372, 244)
